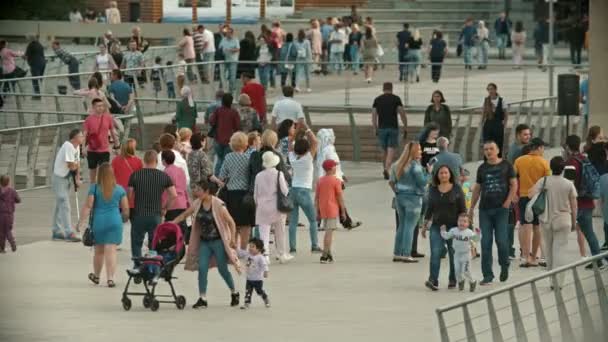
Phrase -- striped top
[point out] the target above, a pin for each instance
(199, 40)
(148, 186)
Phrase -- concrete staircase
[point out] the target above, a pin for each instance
(447, 15)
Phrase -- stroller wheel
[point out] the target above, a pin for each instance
(137, 280)
(180, 302)
(154, 305)
(126, 303)
(147, 301)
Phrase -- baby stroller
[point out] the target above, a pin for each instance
(168, 243)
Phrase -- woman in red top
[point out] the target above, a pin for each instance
(125, 164)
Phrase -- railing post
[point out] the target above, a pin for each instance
(465, 87)
(32, 158)
(548, 125)
(54, 145)
(453, 145)
(58, 109)
(564, 321)
(541, 320)
(347, 89)
(468, 325)
(140, 123)
(496, 334)
(443, 332)
(12, 166)
(354, 136)
(127, 134)
(20, 118)
(477, 141)
(524, 88)
(520, 330)
(583, 308)
(603, 299)
(464, 143)
(529, 114)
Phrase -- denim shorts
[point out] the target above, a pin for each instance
(388, 138)
(523, 202)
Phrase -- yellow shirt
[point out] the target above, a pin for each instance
(529, 169)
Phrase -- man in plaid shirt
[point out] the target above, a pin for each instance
(71, 62)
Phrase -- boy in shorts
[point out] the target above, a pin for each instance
(330, 206)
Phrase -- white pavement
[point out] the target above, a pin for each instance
(363, 296)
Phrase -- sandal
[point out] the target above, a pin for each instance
(94, 278)
(111, 283)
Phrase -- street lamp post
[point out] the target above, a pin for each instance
(228, 11)
(262, 9)
(551, 42)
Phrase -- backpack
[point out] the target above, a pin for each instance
(589, 186)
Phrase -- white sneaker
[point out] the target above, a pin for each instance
(308, 90)
(296, 89)
(285, 258)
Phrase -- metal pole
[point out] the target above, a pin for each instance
(551, 41)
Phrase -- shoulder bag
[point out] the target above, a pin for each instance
(88, 237)
(284, 203)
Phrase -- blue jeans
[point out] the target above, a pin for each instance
(37, 69)
(501, 43)
(140, 225)
(264, 73)
(438, 244)
(220, 153)
(494, 225)
(355, 57)
(336, 59)
(467, 52)
(414, 56)
(302, 74)
(584, 217)
(216, 249)
(62, 221)
(302, 198)
(230, 74)
(408, 209)
(482, 52)
(207, 72)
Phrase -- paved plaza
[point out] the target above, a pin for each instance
(46, 295)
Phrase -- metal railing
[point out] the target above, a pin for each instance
(28, 153)
(574, 311)
(463, 87)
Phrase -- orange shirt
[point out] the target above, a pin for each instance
(530, 168)
(329, 188)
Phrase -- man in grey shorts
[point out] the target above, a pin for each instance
(386, 124)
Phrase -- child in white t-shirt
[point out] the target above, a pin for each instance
(462, 237)
(257, 270)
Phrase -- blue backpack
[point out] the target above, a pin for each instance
(589, 186)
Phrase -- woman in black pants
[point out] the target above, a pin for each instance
(494, 118)
(437, 52)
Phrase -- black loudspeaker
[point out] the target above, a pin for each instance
(567, 94)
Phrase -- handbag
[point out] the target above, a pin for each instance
(379, 51)
(88, 237)
(540, 204)
(289, 66)
(284, 203)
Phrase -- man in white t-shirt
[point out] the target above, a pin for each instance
(65, 171)
(204, 42)
(287, 108)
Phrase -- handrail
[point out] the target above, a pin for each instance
(521, 283)
(57, 124)
(84, 73)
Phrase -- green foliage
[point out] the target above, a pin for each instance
(39, 9)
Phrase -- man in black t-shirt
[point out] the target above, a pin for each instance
(496, 185)
(146, 187)
(386, 125)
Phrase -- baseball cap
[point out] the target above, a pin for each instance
(329, 164)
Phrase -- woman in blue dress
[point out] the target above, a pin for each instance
(110, 208)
